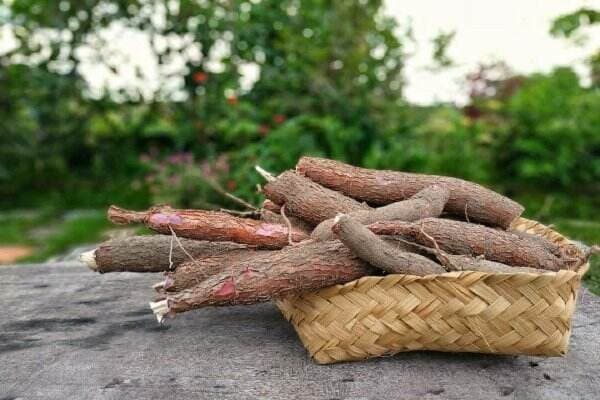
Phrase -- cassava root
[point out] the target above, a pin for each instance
(209, 225)
(429, 202)
(152, 253)
(374, 250)
(308, 200)
(266, 275)
(469, 200)
(458, 237)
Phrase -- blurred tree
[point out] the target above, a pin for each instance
(334, 65)
(215, 87)
(571, 26)
(441, 42)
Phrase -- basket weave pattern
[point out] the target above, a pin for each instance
(462, 311)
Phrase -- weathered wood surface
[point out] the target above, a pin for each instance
(66, 333)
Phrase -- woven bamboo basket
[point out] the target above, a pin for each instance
(461, 311)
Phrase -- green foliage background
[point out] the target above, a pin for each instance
(330, 85)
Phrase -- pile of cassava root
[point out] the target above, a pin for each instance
(323, 224)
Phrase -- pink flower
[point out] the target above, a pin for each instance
(279, 118)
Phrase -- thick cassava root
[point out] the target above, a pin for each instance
(209, 225)
(469, 200)
(265, 275)
(308, 200)
(152, 253)
(429, 202)
(458, 237)
(379, 253)
(455, 262)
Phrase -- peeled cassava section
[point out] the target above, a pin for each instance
(152, 253)
(468, 200)
(265, 275)
(429, 202)
(458, 237)
(276, 218)
(308, 200)
(209, 225)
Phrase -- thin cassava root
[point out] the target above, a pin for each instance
(469, 200)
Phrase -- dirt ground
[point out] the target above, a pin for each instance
(10, 254)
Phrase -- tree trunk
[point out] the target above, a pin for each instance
(264, 275)
(458, 237)
(379, 253)
(209, 225)
(469, 200)
(151, 253)
(308, 200)
(429, 202)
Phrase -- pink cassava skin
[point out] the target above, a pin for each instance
(459, 237)
(308, 200)
(264, 275)
(276, 218)
(209, 225)
(467, 199)
(429, 202)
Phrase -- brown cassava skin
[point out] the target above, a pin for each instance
(429, 202)
(458, 237)
(551, 247)
(308, 200)
(266, 275)
(379, 253)
(209, 225)
(191, 273)
(271, 206)
(454, 262)
(151, 253)
(468, 200)
(468, 263)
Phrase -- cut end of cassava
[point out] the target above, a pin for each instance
(264, 173)
(121, 216)
(160, 310)
(89, 259)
